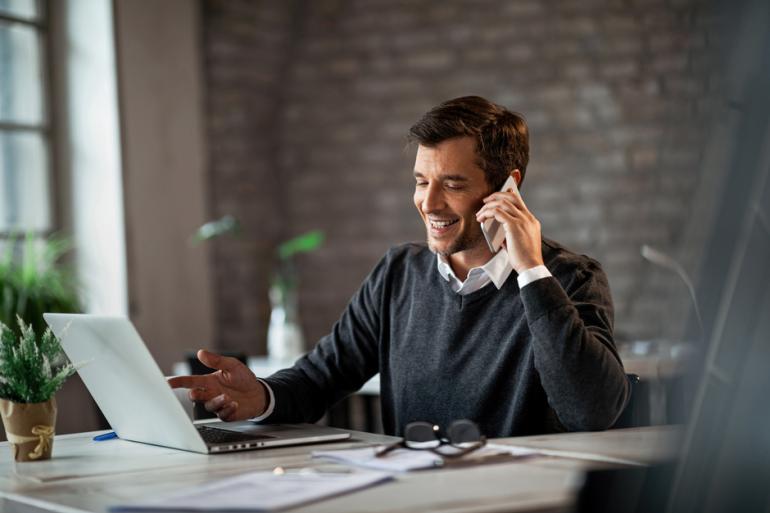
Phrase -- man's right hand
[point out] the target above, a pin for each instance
(233, 392)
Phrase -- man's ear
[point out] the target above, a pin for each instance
(516, 174)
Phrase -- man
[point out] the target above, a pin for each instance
(452, 332)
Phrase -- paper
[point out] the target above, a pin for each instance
(559, 453)
(398, 460)
(404, 460)
(260, 491)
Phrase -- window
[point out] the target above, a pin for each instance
(25, 174)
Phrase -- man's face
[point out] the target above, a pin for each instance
(449, 188)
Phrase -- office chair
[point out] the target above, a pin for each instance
(636, 413)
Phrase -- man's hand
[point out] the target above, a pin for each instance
(522, 229)
(232, 392)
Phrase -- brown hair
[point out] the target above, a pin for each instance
(502, 136)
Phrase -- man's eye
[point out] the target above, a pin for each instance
(454, 187)
(421, 184)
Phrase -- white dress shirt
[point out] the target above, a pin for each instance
(496, 271)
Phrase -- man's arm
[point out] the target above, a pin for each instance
(340, 364)
(574, 350)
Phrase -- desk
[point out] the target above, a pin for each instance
(87, 476)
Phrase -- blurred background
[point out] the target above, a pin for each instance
(126, 125)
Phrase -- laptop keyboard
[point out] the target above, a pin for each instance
(221, 436)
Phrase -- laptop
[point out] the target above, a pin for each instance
(129, 387)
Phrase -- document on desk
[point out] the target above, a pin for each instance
(260, 491)
(404, 460)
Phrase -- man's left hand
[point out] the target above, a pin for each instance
(522, 229)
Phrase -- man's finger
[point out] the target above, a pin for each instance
(227, 413)
(188, 381)
(216, 361)
(511, 197)
(507, 206)
(217, 403)
(203, 394)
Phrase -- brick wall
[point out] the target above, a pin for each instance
(309, 103)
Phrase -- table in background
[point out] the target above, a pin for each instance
(88, 476)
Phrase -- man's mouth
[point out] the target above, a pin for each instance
(441, 225)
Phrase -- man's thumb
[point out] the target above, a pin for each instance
(216, 361)
(208, 358)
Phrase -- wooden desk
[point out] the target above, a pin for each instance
(87, 476)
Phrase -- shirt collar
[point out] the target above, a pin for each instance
(498, 268)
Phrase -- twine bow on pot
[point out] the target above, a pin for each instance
(42, 434)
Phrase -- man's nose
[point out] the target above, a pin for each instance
(433, 199)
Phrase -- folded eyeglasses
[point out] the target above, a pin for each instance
(463, 435)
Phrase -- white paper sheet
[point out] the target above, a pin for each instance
(404, 460)
(260, 491)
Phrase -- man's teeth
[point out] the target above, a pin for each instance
(442, 224)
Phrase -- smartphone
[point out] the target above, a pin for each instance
(493, 231)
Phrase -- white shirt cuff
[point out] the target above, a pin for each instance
(526, 277)
(270, 403)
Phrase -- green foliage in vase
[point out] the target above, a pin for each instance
(34, 282)
(32, 368)
(304, 243)
(285, 277)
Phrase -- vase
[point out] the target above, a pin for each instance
(285, 342)
(29, 428)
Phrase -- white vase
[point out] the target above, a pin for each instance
(285, 342)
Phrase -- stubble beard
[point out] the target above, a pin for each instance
(463, 242)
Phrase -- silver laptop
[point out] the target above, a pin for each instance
(131, 391)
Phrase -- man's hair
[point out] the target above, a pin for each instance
(502, 136)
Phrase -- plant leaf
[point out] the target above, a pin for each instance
(302, 244)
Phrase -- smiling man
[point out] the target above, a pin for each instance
(519, 342)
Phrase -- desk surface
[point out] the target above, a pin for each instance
(88, 476)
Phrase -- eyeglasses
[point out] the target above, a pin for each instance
(428, 437)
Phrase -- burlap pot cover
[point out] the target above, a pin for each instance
(29, 428)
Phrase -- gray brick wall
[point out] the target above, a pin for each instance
(309, 103)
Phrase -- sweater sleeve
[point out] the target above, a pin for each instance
(340, 364)
(574, 351)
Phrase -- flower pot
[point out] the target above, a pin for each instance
(29, 428)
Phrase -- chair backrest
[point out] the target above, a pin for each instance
(636, 413)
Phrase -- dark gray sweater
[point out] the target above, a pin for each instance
(517, 362)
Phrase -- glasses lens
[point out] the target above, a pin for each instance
(463, 431)
(420, 435)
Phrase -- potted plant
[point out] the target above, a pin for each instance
(285, 342)
(284, 335)
(32, 369)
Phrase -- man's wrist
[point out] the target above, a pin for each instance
(269, 406)
(532, 274)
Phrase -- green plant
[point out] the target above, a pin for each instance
(304, 243)
(33, 281)
(285, 278)
(32, 368)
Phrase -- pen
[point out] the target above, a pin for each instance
(105, 436)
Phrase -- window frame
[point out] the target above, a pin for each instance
(42, 26)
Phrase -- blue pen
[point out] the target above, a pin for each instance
(105, 436)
